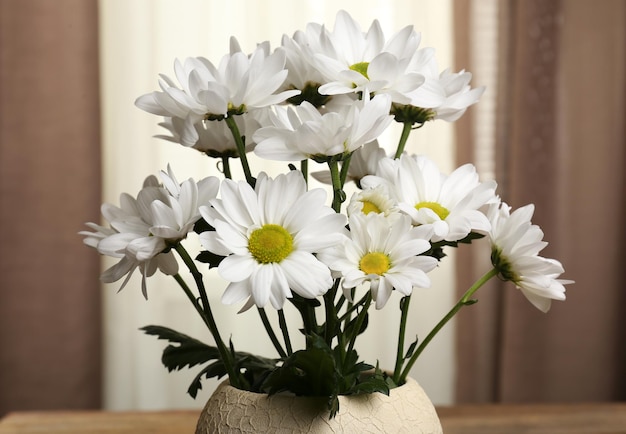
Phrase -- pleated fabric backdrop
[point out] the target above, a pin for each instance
(560, 142)
(50, 321)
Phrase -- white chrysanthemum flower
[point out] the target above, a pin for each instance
(144, 229)
(458, 95)
(173, 219)
(125, 246)
(240, 83)
(383, 252)
(302, 74)
(213, 138)
(449, 203)
(443, 96)
(353, 61)
(376, 200)
(364, 162)
(303, 132)
(515, 245)
(269, 236)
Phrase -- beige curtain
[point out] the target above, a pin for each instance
(561, 144)
(49, 186)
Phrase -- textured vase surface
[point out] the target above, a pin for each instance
(407, 409)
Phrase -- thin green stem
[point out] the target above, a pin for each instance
(226, 167)
(241, 149)
(406, 130)
(192, 298)
(304, 168)
(225, 354)
(463, 301)
(342, 300)
(270, 332)
(285, 329)
(338, 193)
(331, 313)
(345, 165)
(359, 321)
(351, 308)
(404, 308)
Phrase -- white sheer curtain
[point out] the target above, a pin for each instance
(139, 40)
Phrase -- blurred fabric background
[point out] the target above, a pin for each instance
(550, 128)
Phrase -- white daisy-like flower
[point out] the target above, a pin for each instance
(443, 96)
(459, 95)
(127, 246)
(515, 247)
(376, 200)
(449, 203)
(269, 236)
(303, 132)
(353, 61)
(302, 74)
(240, 83)
(385, 253)
(143, 230)
(173, 219)
(213, 138)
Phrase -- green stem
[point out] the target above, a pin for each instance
(241, 148)
(340, 303)
(225, 354)
(285, 329)
(406, 130)
(351, 308)
(304, 168)
(226, 167)
(359, 321)
(270, 332)
(345, 165)
(331, 313)
(338, 193)
(463, 301)
(404, 308)
(307, 312)
(192, 298)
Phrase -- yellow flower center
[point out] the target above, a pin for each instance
(441, 211)
(271, 243)
(375, 263)
(369, 207)
(361, 68)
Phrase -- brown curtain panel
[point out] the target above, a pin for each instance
(561, 144)
(49, 186)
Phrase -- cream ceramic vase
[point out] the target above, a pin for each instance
(407, 409)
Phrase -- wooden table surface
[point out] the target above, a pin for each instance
(484, 419)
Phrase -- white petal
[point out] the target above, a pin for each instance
(235, 268)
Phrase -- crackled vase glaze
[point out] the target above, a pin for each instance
(407, 409)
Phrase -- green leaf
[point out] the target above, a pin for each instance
(165, 333)
(209, 258)
(349, 330)
(215, 369)
(202, 226)
(187, 353)
(309, 372)
(436, 250)
(372, 384)
(411, 349)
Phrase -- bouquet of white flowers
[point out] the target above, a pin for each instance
(322, 96)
